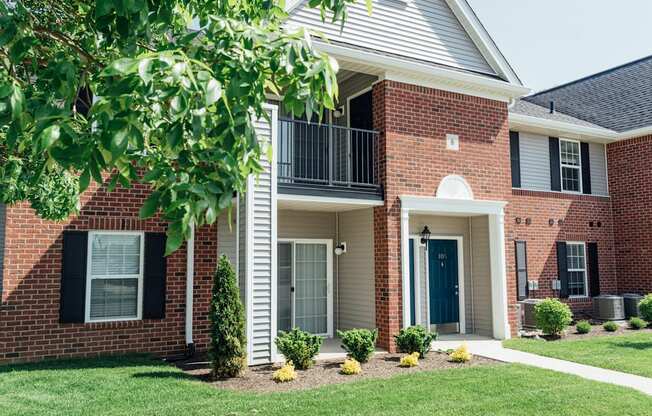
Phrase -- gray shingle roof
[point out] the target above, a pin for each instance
(534, 110)
(619, 99)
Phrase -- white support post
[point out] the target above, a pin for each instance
(501, 328)
(405, 265)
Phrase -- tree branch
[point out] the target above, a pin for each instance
(66, 40)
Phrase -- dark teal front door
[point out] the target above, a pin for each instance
(443, 281)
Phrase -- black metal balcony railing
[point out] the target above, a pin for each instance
(313, 155)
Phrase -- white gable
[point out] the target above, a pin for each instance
(426, 30)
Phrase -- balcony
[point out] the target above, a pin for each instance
(327, 160)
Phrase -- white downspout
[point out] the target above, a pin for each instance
(190, 274)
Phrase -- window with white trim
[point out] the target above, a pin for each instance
(115, 276)
(571, 165)
(576, 265)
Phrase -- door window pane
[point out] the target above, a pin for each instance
(311, 290)
(284, 298)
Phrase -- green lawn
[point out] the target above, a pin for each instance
(141, 386)
(631, 353)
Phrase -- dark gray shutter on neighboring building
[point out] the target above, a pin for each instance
(555, 174)
(593, 269)
(586, 168)
(154, 276)
(73, 277)
(515, 157)
(521, 270)
(562, 268)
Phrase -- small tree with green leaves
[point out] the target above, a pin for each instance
(228, 347)
(164, 93)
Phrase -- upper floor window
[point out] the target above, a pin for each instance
(571, 165)
(115, 276)
(576, 266)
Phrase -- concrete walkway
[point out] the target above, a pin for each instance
(494, 350)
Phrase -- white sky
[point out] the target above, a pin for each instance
(551, 42)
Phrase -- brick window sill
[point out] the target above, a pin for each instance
(559, 195)
(114, 325)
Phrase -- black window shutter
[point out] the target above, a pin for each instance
(515, 156)
(586, 168)
(155, 273)
(594, 271)
(555, 175)
(73, 277)
(562, 268)
(521, 270)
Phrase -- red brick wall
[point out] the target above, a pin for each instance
(630, 186)
(413, 122)
(575, 213)
(29, 312)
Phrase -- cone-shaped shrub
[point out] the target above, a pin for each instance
(228, 348)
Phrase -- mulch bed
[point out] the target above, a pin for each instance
(383, 365)
(596, 331)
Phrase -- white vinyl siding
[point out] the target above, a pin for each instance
(598, 165)
(259, 255)
(356, 280)
(242, 248)
(480, 292)
(115, 276)
(535, 162)
(425, 30)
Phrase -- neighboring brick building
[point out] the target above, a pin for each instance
(432, 197)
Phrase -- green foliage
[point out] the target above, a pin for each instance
(174, 107)
(637, 323)
(583, 327)
(350, 367)
(299, 346)
(645, 307)
(610, 326)
(228, 344)
(414, 339)
(552, 316)
(359, 343)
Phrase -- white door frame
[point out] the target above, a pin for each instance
(329, 277)
(460, 278)
(427, 205)
(348, 103)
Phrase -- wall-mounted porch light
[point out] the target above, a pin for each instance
(425, 235)
(340, 249)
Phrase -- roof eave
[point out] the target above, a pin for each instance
(561, 128)
(428, 75)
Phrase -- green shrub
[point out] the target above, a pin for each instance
(583, 327)
(228, 345)
(299, 346)
(360, 344)
(414, 339)
(610, 326)
(637, 323)
(645, 306)
(552, 316)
